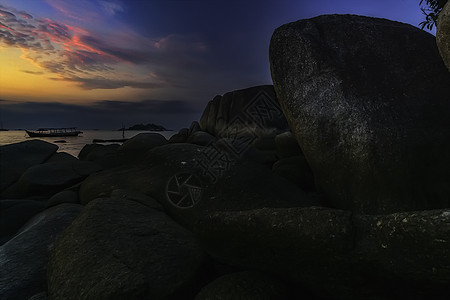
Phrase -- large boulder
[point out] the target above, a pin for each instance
(141, 143)
(123, 249)
(97, 152)
(23, 259)
(16, 158)
(368, 100)
(50, 178)
(14, 214)
(443, 34)
(247, 285)
(296, 170)
(255, 110)
(335, 253)
(189, 180)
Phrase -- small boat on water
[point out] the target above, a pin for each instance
(54, 132)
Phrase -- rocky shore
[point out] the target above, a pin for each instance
(331, 184)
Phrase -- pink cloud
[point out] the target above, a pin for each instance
(76, 54)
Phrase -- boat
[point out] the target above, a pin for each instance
(54, 132)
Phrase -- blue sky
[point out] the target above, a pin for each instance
(161, 59)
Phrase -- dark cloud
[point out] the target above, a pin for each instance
(102, 114)
(103, 83)
(33, 72)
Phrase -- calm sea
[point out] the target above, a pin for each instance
(73, 145)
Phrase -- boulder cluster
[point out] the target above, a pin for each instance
(333, 183)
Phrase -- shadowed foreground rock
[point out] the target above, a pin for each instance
(368, 100)
(123, 249)
(23, 259)
(245, 285)
(335, 254)
(16, 158)
(241, 185)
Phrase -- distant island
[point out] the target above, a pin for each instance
(150, 127)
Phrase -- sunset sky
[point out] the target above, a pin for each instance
(98, 63)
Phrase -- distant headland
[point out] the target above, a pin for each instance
(150, 127)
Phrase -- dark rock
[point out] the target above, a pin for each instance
(62, 157)
(102, 184)
(210, 114)
(265, 157)
(14, 214)
(217, 184)
(23, 259)
(195, 126)
(141, 143)
(264, 143)
(255, 109)
(443, 34)
(220, 185)
(66, 196)
(49, 178)
(245, 285)
(304, 245)
(180, 137)
(368, 102)
(296, 170)
(287, 145)
(39, 296)
(201, 138)
(121, 249)
(335, 253)
(95, 152)
(136, 197)
(16, 158)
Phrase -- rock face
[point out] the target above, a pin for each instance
(14, 214)
(141, 143)
(23, 259)
(122, 249)
(443, 34)
(48, 178)
(16, 158)
(245, 285)
(368, 100)
(335, 253)
(254, 109)
(237, 186)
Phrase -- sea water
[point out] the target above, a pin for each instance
(74, 144)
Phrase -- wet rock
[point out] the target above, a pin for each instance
(119, 248)
(23, 259)
(16, 158)
(368, 101)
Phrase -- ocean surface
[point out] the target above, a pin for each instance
(74, 144)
